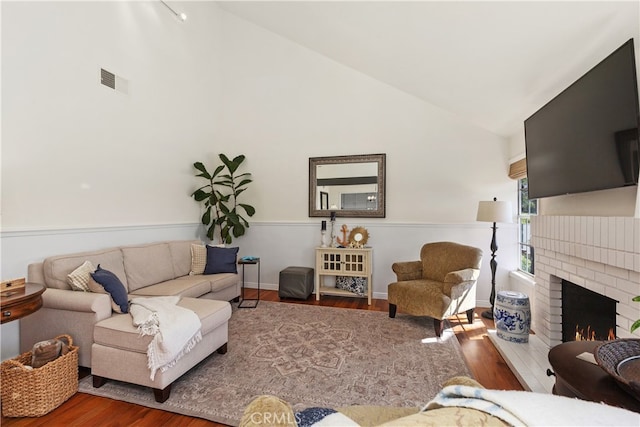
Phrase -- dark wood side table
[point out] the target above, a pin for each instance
(584, 380)
(18, 303)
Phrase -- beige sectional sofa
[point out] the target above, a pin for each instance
(108, 342)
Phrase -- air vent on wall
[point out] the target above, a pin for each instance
(108, 79)
(112, 81)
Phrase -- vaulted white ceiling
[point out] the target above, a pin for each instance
(491, 63)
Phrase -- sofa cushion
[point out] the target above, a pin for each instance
(186, 286)
(419, 297)
(181, 256)
(57, 268)
(147, 264)
(118, 330)
(79, 278)
(113, 286)
(223, 280)
(221, 260)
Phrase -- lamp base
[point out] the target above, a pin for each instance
(487, 314)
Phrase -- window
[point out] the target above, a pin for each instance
(526, 209)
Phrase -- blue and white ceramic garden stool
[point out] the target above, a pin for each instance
(512, 316)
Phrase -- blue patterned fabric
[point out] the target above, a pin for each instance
(310, 416)
(357, 285)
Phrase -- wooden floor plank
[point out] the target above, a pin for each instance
(484, 361)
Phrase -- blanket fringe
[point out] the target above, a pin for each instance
(187, 348)
(151, 352)
(151, 326)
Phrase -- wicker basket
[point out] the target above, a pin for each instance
(611, 355)
(34, 392)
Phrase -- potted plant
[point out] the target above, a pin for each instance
(636, 324)
(220, 197)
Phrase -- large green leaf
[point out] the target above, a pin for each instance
(635, 325)
(206, 216)
(203, 170)
(211, 231)
(238, 230)
(219, 169)
(250, 210)
(234, 164)
(200, 195)
(243, 182)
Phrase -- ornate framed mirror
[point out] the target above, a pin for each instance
(351, 186)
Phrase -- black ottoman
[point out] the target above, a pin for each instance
(296, 282)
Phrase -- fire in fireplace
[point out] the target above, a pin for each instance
(586, 315)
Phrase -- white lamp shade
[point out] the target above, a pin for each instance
(494, 211)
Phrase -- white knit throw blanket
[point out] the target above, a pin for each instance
(175, 330)
(523, 408)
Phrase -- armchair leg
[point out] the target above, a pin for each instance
(392, 310)
(438, 326)
(470, 315)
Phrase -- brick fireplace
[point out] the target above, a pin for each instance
(601, 254)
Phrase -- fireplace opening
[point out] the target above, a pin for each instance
(586, 315)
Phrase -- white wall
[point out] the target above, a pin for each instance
(288, 103)
(78, 154)
(79, 159)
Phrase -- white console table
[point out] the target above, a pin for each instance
(343, 262)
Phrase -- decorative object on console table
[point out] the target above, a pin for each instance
(251, 302)
(493, 211)
(333, 224)
(343, 243)
(358, 237)
(323, 231)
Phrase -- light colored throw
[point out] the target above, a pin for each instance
(176, 330)
(523, 408)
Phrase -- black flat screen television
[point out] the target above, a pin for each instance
(586, 138)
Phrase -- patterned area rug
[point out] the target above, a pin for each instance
(309, 356)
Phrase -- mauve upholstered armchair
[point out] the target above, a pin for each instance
(441, 284)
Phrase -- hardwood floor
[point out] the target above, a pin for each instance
(484, 361)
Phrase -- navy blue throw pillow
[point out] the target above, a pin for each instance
(221, 260)
(113, 286)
